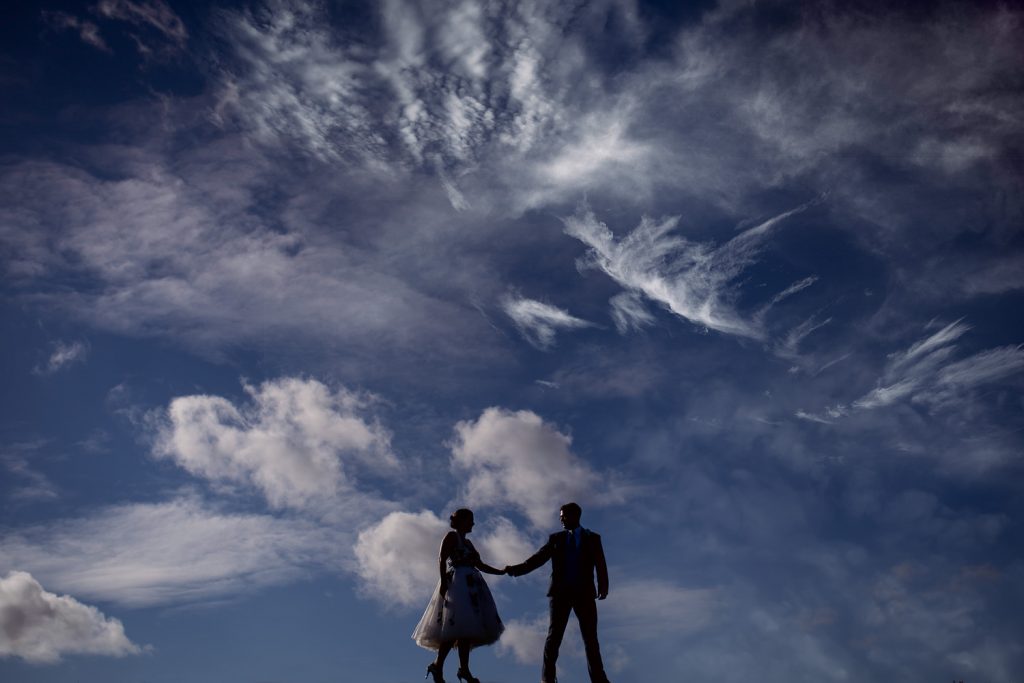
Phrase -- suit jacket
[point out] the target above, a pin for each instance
(591, 560)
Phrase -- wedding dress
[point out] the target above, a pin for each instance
(467, 611)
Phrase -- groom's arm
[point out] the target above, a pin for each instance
(602, 569)
(534, 561)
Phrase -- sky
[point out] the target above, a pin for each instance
(286, 282)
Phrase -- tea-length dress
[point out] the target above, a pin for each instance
(467, 611)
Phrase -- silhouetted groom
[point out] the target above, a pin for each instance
(575, 555)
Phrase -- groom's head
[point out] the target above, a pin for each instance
(570, 515)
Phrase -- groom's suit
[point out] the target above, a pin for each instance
(573, 565)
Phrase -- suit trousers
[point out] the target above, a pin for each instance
(586, 613)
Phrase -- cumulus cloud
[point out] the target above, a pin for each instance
(538, 322)
(173, 552)
(64, 354)
(693, 280)
(397, 557)
(298, 442)
(515, 459)
(524, 639)
(39, 626)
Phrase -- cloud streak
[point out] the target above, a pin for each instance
(538, 322)
(693, 280)
(175, 552)
(64, 354)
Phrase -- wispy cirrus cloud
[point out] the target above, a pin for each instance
(189, 256)
(155, 28)
(41, 627)
(87, 30)
(693, 280)
(34, 485)
(929, 373)
(538, 322)
(153, 14)
(629, 313)
(64, 354)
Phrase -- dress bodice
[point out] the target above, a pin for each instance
(462, 555)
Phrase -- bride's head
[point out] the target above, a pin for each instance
(462, 520)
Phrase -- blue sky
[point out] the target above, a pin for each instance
(286, 282)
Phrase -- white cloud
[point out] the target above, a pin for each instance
(36, 486)
(636, 611)
(87, 30)
(927, 373)
(503, 543)
(538, 322)
(943, 337)
(790, 344)
(192, 258)
(693, 280)
(173, 552)
(39, 626)
(524, 639)
(289, 81)
(629, 313)
(62, 356)
(797, 286)
(648, 609)
(811, 417)
(155, 14)
(983, 367)
(602, 150)
(298, 442)
(397, 557)
(516, 460)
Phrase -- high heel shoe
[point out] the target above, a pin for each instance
(437, 672)
(464, 675)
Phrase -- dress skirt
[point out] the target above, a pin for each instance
(467, 613)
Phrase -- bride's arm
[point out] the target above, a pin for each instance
(483, 566)
(488, 569)
(442, 559)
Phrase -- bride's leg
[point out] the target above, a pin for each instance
(464, 656)
(436, 669)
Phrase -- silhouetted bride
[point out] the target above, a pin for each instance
(462, 611)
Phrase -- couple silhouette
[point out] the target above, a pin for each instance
(461, 613)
